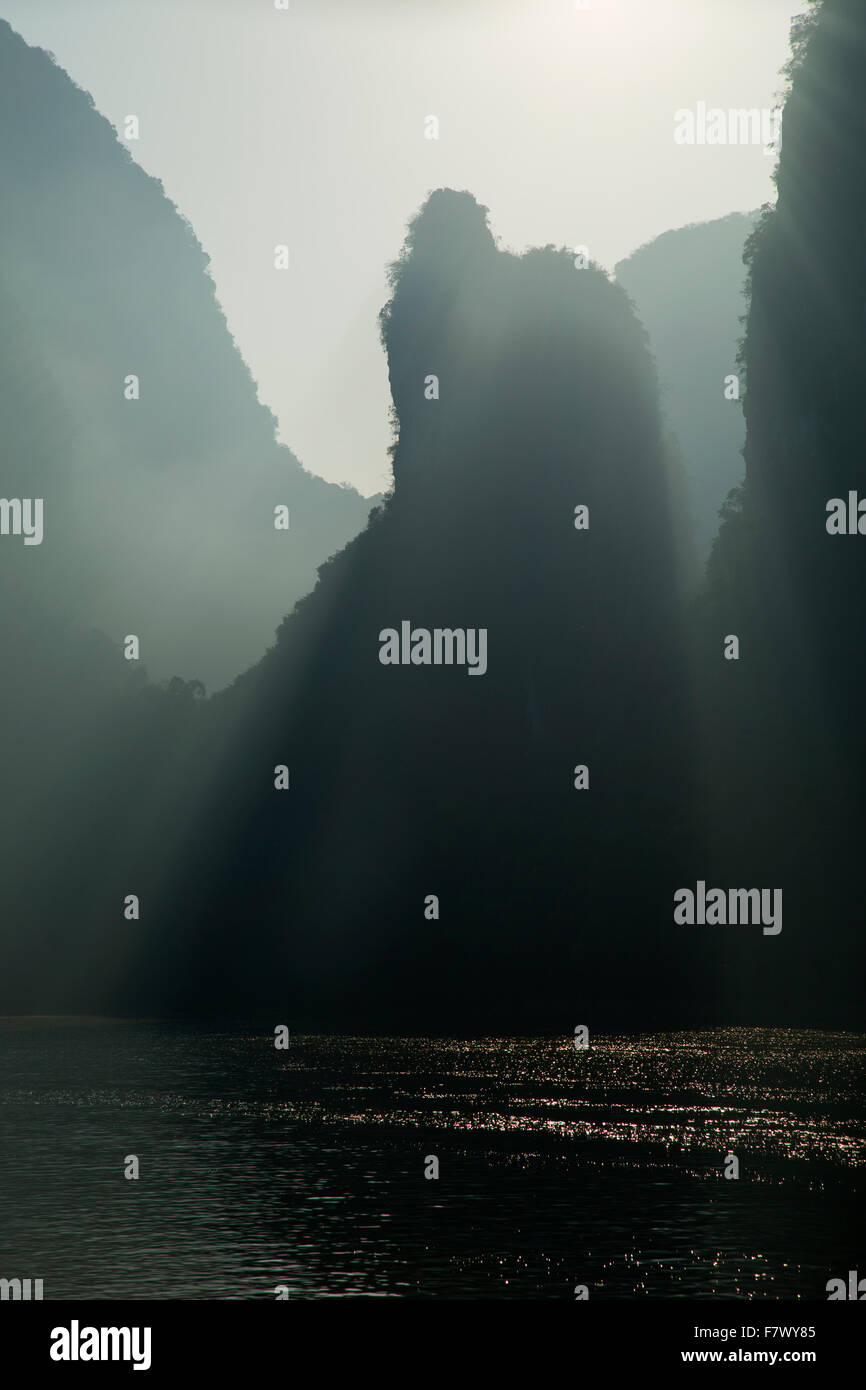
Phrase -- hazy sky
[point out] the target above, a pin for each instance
(307, 128)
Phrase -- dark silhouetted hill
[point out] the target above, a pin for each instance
(785, 752)
(415, 780)
(408, 781)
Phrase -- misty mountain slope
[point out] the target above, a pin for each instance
(159, 512)
(414, 778)
(688, 286)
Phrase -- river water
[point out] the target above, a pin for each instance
(304, 1168)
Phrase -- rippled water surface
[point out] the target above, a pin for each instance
(305, 1167)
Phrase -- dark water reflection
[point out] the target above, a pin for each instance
(305, 1167)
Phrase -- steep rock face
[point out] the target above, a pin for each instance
(159, 512)
(416, 778)
(785, 749)
(796, 587)
(688, 286)
(805, 348)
